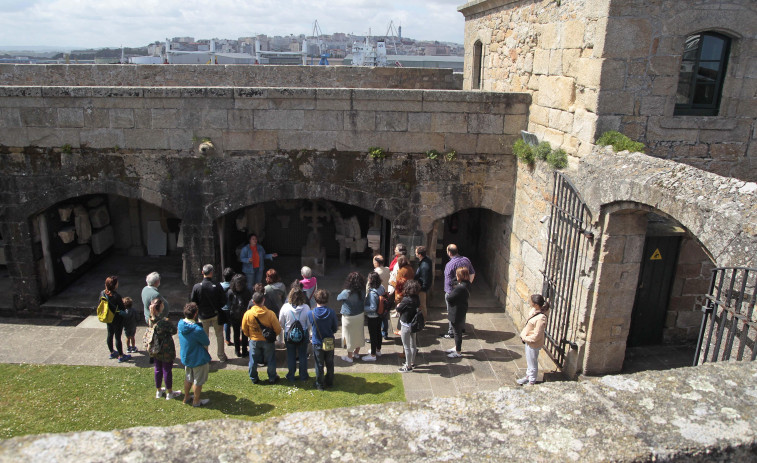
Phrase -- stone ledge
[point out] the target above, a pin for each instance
(695, 414)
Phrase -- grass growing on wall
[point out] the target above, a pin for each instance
(620, 142)
(60, 398)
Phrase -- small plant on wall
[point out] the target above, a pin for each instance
(433, 154)
(543, 152)
(377, 153)
(620, 142)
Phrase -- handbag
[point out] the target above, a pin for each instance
(268, 333)
(328, 343)
(148, 338)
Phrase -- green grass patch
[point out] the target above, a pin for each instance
(620, 142)
(61, 398)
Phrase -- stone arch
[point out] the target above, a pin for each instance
(626, 233)
(221, 206)
(696, 199)
(69, 190)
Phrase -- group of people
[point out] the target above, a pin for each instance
(256, 318)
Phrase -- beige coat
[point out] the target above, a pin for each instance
(533, 332)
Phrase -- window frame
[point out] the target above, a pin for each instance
(477, 71)
(710, 109)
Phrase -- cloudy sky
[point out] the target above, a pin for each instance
(112, 23)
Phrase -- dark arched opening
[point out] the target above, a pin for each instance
(78, 242)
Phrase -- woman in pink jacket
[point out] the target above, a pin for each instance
(533, 337)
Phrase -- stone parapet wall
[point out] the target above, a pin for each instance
(214, 75)
(244, 119)
(695, 414)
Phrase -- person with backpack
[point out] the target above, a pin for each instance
(262, 327)
(163, 331)
(295, 321)
(533, 337)
(323, 321)
(116, 326)
(457, 309)
(238, 297)
(353, 320)
(372, 316)
(408, 308)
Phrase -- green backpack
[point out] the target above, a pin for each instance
(104, 314)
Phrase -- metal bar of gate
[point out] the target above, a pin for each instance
(717, 276)
(736, 300)
(706, 315)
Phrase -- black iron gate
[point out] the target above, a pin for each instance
(729, 322)
(568, 233)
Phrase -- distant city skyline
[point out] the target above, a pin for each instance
(79, 24)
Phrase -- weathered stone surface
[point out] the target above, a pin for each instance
(699, 414)
(71, 78)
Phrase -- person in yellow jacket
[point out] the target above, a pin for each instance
(260, 349)
(533, 337)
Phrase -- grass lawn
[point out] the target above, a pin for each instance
(60, 398)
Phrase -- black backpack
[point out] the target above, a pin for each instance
(236, 308)
(418, 322)
(296, 333)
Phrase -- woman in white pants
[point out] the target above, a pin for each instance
(533, 337)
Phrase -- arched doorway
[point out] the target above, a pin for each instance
(331, 237)
(652, 276)
(674, 277)
(79, 241)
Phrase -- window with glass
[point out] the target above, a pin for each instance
(703, 67)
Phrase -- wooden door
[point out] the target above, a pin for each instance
(653, 292)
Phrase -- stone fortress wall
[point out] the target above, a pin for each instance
(58, 143)
(198, 75)
(598, 65)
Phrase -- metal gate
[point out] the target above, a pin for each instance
(729, 322)
(568, 233)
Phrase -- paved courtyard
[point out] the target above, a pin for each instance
(492, 352)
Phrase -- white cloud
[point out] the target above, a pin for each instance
(111, 23)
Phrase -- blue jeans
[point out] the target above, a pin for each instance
(255, 277)
(323, 359)
(384, 327)
(261, 351)
(292, 351)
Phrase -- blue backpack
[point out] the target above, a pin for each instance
(296, 333)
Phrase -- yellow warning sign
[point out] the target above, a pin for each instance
(656, 255)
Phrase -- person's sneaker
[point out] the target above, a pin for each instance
(378, 353)
(531, 383)
(124, 358)
(158, 394)
(454, 355)
(522, 381)
(347, 358)
(320, 388)
(405, 369)
(447, 336)
(173, 395)
(255, 381)
(355, 356)
(369, 358)
(223, 358)
(273, 380)
(229, 343)
(450, 350)
(387, 338)
(201, 403)
(114, 355)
